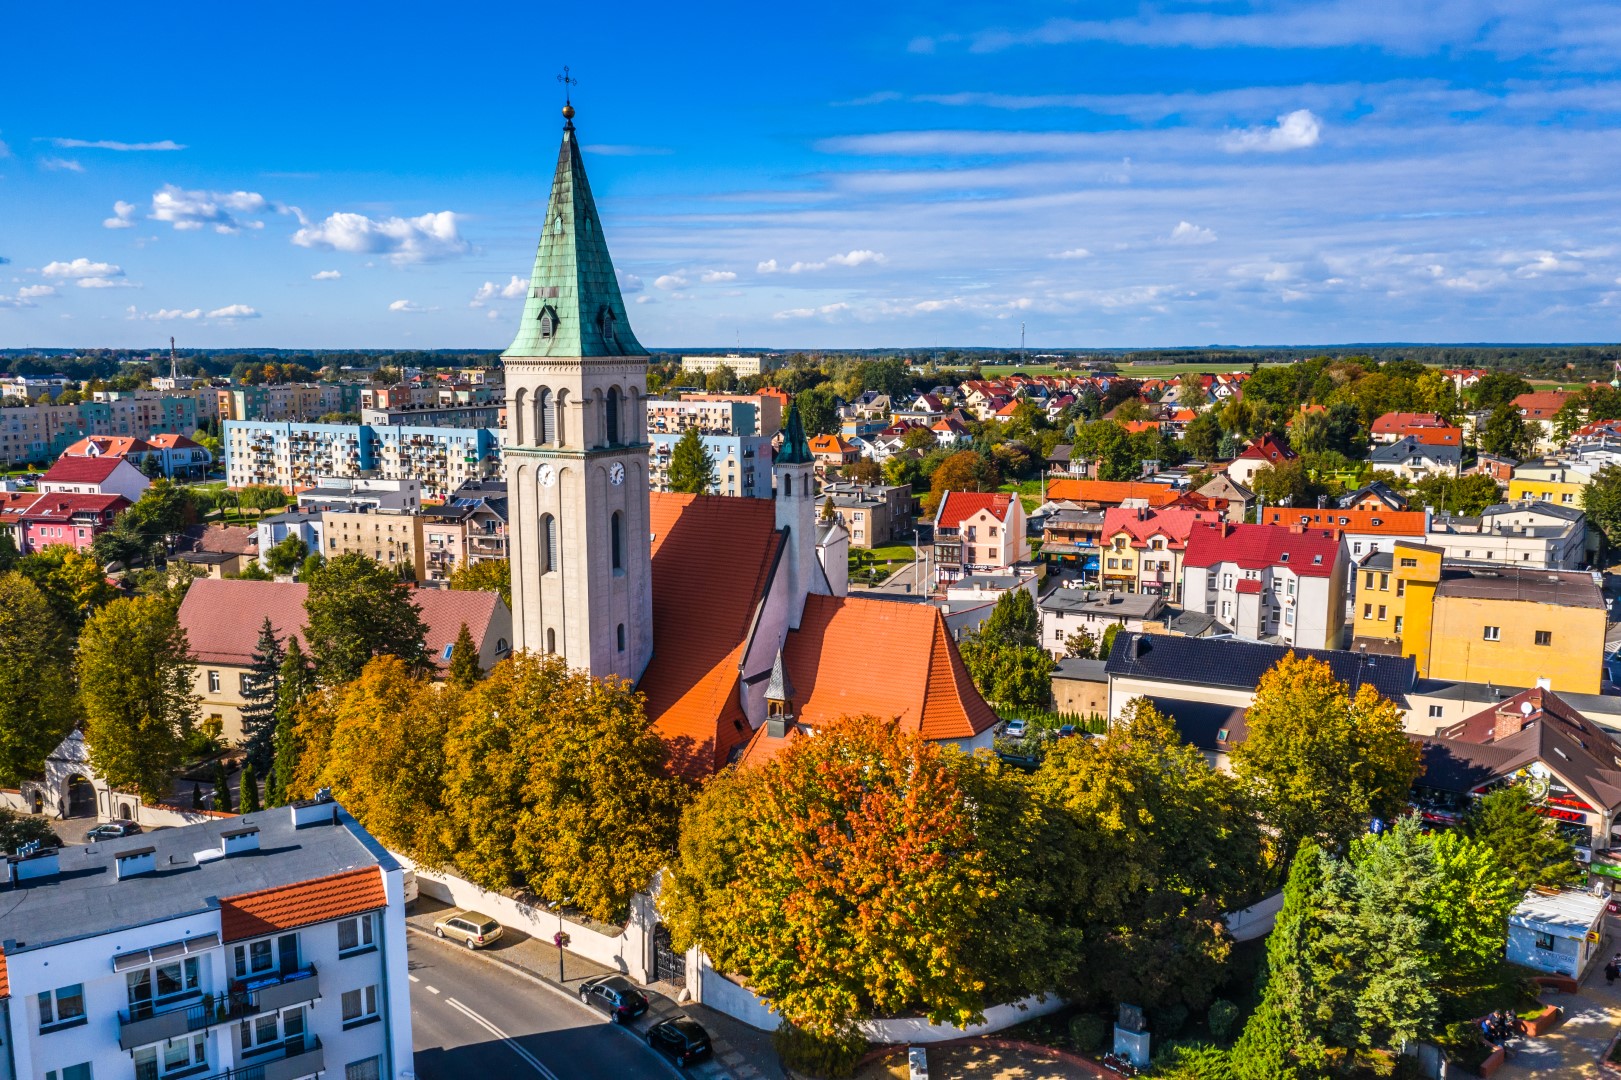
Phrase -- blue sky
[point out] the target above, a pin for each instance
(830, 175)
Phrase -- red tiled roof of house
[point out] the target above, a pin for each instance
(222, 617)
(106, 446)
(962, 504)
(712, 559)
(951, 424)
(168, 440)
(1309, 553)
(829, 444)
(1268, 448)
(5, 978)
(63, 505)
(1109, 492)
(1398, 423)
(288, 907)
(14, 503)
(1142, 525)
(1542, 404)
(81, 470)
(1249, 585)
(1137, 427)
(1376, 522)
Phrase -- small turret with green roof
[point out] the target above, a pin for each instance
(795, 447)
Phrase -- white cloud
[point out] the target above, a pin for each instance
(410, 307)
(670, 281)
(232, 311)
(31, 292)
(192, 210)
(858, 257)
(1188, 233)
(1072, 253)
(103, 283)
(713, 277)
(123, 215)
(162, 314)
(1294, 131)
(811, 312)
(82, 268)
(492, 314)
(14, 302)
(112, 144)
(628, 283)
(512, 290)
(769, 266)
(326, 275)
(56, 164)
(403, 240)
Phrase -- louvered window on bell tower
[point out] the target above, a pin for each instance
(548, 323)
(545, 417)
(612, 416)
(548, 543)
(616, 530)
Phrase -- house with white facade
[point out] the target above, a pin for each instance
(269, 945)
(94, 476)
(1270, 582)
(1547, 536)
(1416, 457)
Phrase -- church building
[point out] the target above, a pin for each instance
(730, 615)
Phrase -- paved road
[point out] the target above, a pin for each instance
(472, 1018)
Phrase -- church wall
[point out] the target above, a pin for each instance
(770, 632)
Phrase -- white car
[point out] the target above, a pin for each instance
(1015, 729)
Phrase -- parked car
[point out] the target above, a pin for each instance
(471, 928)
(614, 995)
(113, 830)
(681, 1039)
(1066, 731)
(1015, 729)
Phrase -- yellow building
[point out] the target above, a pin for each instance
(1548, 481)
(1508, 625)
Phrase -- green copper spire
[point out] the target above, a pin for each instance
(574, 307)
(795, 448)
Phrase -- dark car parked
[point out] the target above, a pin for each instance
(614, 995)
(681, 1039)
(113, 830)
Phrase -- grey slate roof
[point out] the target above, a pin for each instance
(1196, 624)
(1200, 722)
(1239, 664)
(1110, 605)
(1081, 670)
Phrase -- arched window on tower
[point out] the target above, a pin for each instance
(788, 485)
(621, 637)
(616, 528)
(611, 415)
(520, 402)
(548, 323)
(543, 417)
(548, 543)
(559, 415)
(551, 641)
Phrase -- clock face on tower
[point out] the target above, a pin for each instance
(546, 475)
(616, 474)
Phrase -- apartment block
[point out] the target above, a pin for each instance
(270, 945)
(742, 463)
(37, 433)
(716, 416)
(1269, 582)
(287, 401)
(873, 514)
(295, 455)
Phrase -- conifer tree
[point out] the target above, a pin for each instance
(259, 702)
(464, 669)
(692, 470)
(1527, 844)
(296, 683)
(222, 789)
(250, 789)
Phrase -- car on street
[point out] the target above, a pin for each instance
(113, 830)
(614, 995)
(472, 928)
(1015, 729)
(681, 1039)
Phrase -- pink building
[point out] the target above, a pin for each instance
(74, 520)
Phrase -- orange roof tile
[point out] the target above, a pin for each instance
(1542, 404)
(1377, 522)
(963, 504)
(288, 907)
(1109, 492)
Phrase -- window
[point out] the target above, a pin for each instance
(1401, 588)
(551, 641)
(1289, 617)
(355, 934)
(1114, 564)
(615, 528)
(1317, 560)
(1397, 624)
(1381, 613)
(1544, 637)
(1367, 611)
(157, 985)
(213, 682)
(363, 1070)
(61, 1008)
(1384, 582)
(261, 1033)
(993, 530)
(72, 1072)
(1369, 585)
(258, 957)
(621, 636)
(1226, 581)
(1492, 633)
(1544, 940)
(548, 543)
(244, 684)
(359, 1006)
(611, 417)
(544, 416)
(1436, 712)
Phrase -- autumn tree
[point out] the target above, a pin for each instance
(1319, 761)
(868, 872)
(1529, 846)
(358, 609)
(485, 575)
(692, 469)
(135, 679)
(37, 702)
(556, 781)
(864, 471)
(73, 584)
(464, 667)
(965, 470)
(259, 696)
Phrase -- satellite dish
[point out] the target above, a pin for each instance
(1526, 708)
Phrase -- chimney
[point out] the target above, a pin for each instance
(238, 841)
(1510, 721)
(320, 810)
(33, 863)
(134, 862)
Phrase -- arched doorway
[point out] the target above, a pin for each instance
(81, 797)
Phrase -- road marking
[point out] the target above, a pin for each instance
(511, 1043)
(413, 978)
(431, 989)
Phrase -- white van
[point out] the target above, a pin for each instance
(410, 887)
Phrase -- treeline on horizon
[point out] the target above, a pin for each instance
(1535, 361)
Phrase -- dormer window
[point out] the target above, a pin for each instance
(548, 322)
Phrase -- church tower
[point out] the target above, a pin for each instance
(795, 475)
(576, 447)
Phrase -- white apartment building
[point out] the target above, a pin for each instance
(272, 942)
(296, 456)
(1544, 535)
(740, 365)
(1270, 582)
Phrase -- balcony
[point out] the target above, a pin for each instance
(300, 1057)
(144, 1024)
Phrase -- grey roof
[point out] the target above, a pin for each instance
(1239, 664)
(1111, 605)
(1196, 624)
(987, 581)
(1409, 447)
(1564, 513)
(292, 517)
(781, 687)
(1564, 588)
(32, 913)
(1379, 490)
(1081, 670)
(1201, 722)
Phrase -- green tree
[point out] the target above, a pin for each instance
(1504, 432)
(1282, 1040)
(1203, 436)
(1465, 495)
(37, 702)
(1319, 761)
(135, 679)
(1106, 645)
(259, 696)
(1528, 845)
(1601, 502)
(556, 780)
(817, 410)
(18, 829)
(8, 552)
(295, 682)
(261, 497)
(864, 471)
(464, 667)
(486, 575)
(1004, 656)
(254, 572)
(248, 783)
(358, 609)
(73, 584)
(285, 558)
(1190, 391)
(692, 470)
(1498, 388)
(1080, 645)
(1013, 620)
(222, 789)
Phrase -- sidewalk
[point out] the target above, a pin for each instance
(1572, 1049)
(740, 1052)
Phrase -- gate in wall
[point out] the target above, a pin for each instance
(668, 965)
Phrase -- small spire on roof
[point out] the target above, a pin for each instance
(780, 688)
(795, 447)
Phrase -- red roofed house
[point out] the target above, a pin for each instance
(830, 451)
(1102, 494)
(1142, 548)
(12, 505)
(67, 520)
(222, 619)
(1269, 582)
(1264, 452)
(1538, 409)
(110, 475)
(1393, 426)
(978, 531)
(179, 455)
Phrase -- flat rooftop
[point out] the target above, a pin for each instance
(1563, 588)
(86, 899)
